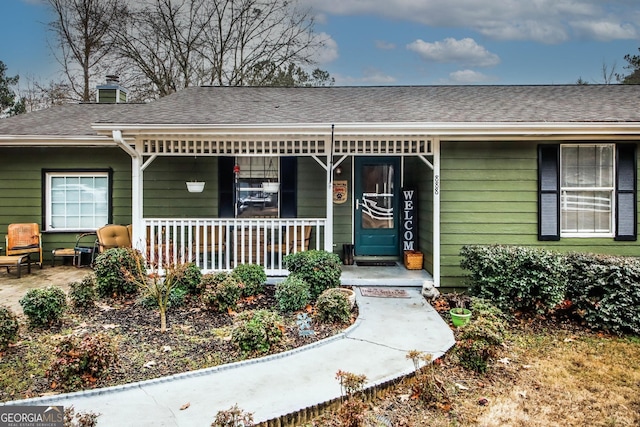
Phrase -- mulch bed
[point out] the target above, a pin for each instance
(196, 338)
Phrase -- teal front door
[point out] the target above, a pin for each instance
(377, 188)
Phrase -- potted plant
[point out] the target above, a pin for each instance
(460, 315)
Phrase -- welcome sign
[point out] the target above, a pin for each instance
(409, 220)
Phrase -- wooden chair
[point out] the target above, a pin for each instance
(24, 239)
(113, 236)
(216, 241)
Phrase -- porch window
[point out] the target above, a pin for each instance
(253, 197)
(76, 201)
(587, 189)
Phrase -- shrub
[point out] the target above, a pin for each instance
(233, 417)
(252, 276)
(81, 361)
(115, 270)
(292, 294)
(478, 341)
(516, 278)
(333, 306)
(257, 331)
(189, 278)
(44, 306)
(320, 269)
(83, 294)
(8, 327)
(604, 292)
(221, 291)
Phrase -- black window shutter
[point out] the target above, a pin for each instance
(626, 202)
(288, 185)
(225, 187)
(549, 192)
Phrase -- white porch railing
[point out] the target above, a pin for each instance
(220, 244)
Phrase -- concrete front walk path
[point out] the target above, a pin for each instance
(376, 346)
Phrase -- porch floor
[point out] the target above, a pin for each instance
(394, 276)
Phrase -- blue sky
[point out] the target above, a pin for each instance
(418, 42)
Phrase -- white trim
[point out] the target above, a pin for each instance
(436, 212)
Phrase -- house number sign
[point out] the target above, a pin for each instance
(409, 220)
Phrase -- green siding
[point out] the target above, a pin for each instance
(489, 196)
(21, 193)
(165, 188)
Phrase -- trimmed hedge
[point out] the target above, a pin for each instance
(603, 291)
(516, 278)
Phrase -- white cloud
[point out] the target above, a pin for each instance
(545, 21)
(382, 45)
(604, 31)
(328, 52)
(370, 76)
(465, 51)
(469, 77)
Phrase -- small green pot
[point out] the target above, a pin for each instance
(460, 316)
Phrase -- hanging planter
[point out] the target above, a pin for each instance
(195, 186)
(271, 185)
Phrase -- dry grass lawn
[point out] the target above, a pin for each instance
(544, 376)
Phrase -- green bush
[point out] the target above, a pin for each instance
(257, 331)
(253, 278)
(320, 269)
(44, 306)
(604, 292)
(115, 270)
(516, 278)
(80, 361)
(292, 294)
(8, 327)
(189, 278)
(221, 291)
(333, 306)
(83, 293)
(478, 341)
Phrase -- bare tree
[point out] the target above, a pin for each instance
(246, 33)
(172, 44)
(162, 41)
(82, 29)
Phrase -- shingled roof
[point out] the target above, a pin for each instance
(361, 105)
(392, 104)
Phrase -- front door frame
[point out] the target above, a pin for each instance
(377, 241)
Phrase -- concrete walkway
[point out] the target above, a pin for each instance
(376, 346)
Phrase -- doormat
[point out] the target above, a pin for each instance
(376, 263)
(384, 293)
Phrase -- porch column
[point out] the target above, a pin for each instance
(328, 228)
(139, 235)
(436, 211)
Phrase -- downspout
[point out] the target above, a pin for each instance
(328, 229)
(138, 238)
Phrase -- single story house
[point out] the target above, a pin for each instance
(385, 169)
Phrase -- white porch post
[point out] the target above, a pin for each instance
(139, 235)
(328, 229)
(436, 211)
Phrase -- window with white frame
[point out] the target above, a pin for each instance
(587, 190)
(257, 188)
(76, 201)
